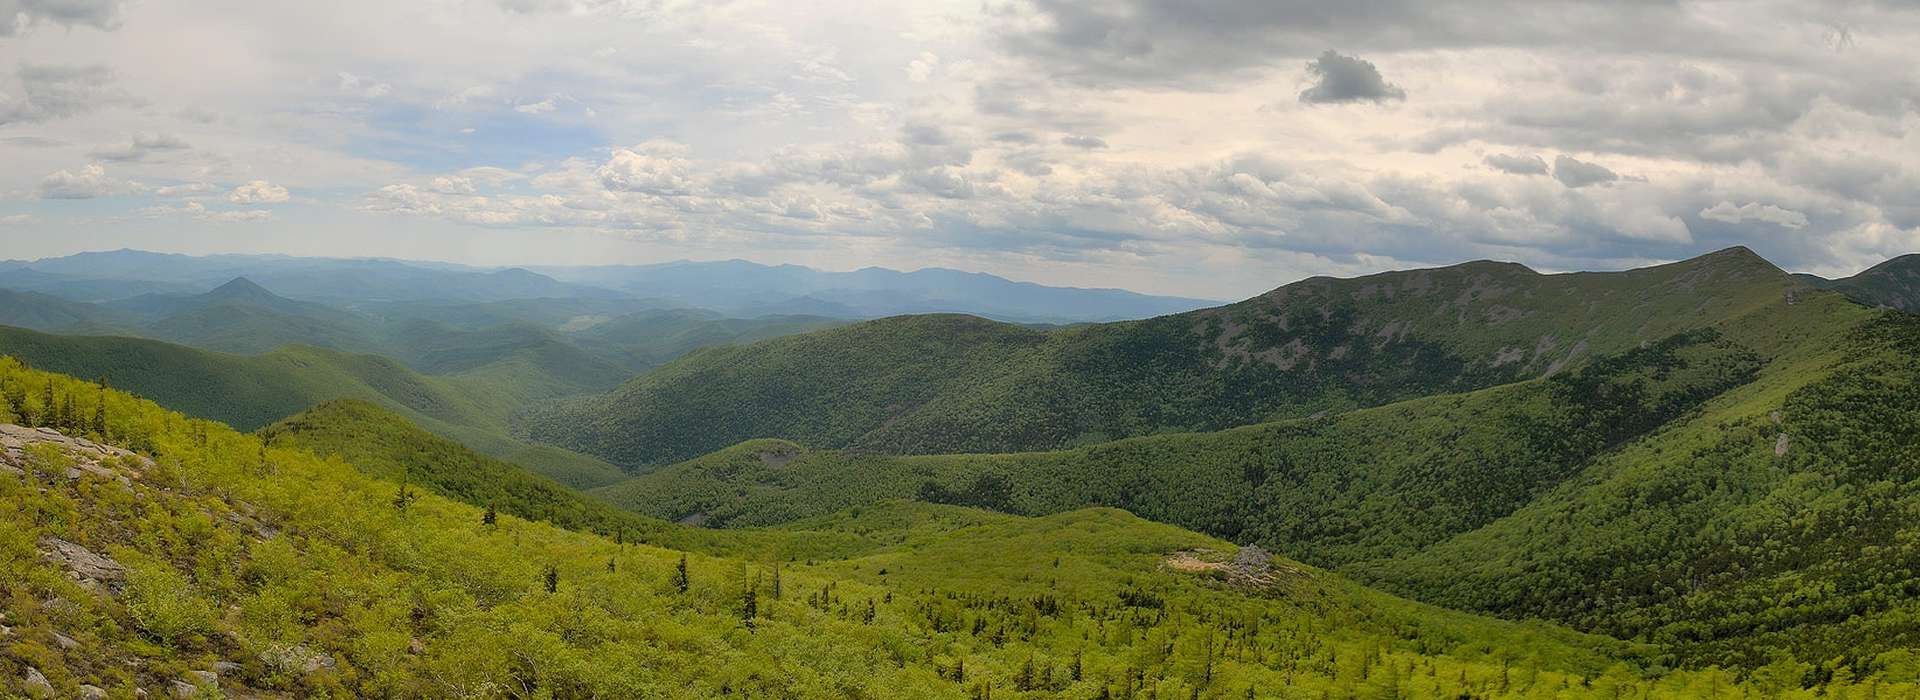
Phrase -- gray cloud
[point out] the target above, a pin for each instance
(59, 91)
(1573, 172)
(1088, 142)
(17, 16)
(142, 146)
(1171, 42)
(1340, 79)
(1515, 164)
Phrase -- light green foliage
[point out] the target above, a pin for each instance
(307, 577)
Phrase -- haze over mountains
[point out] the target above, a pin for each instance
(736, 288)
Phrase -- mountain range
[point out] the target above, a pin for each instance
(1687, 480)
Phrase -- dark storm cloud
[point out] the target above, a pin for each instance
(1517, 164)
(1574, 172)
(1340, 78)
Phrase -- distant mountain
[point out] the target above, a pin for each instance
(314, 279)
(85, 288)
(734, 288)
(1894, 284)
(928, 384)
(749, 289)
(43, 312)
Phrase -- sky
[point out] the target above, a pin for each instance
(1212, 149)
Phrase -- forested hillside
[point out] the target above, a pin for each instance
(251, 391)
(1728, 493)
(206, 560)
(1320, 345)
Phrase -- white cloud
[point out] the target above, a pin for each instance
(258, 192)
(921, 67)
(87, 183)
(541, 107)
(199, 212)
(1754, 211)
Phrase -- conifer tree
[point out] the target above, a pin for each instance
(776, 581)
(489, 517)
(404, 497)
(49, 413)
(100, 414)
(553, 579)
(680, 575)
(17, 402)
(750, 603)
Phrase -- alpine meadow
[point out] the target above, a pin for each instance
(960, 349)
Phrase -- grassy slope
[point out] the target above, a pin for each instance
(955, 384)
(251, 391)
(1638, 496)
(272, 562)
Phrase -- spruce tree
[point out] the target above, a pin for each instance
(17, 402)
(680, 575)
(750, 603)
(553, 579)
(100, 414)
(49, 411)
(489, 517)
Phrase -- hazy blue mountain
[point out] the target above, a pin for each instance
(43, 312)
(734, 288)
(744, 288)
(321, 279)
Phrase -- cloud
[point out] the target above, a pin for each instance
(1088, 142)
(1514, 164)
(89, 182)
(1345, 79)
(258, 192)
(19, 16)
(1573, 172)
(200, 212)
(143, 145)
(1754, 211)
(190, 189)
(921, 67)
(60, 91)
(363, 86)
(657, 168)
(541, 107)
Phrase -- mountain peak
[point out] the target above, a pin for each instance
(241, 288)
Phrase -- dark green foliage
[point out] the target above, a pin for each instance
(935, 384)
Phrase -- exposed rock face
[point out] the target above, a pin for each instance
(91, 570)
(36, 684)
(87, 455)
